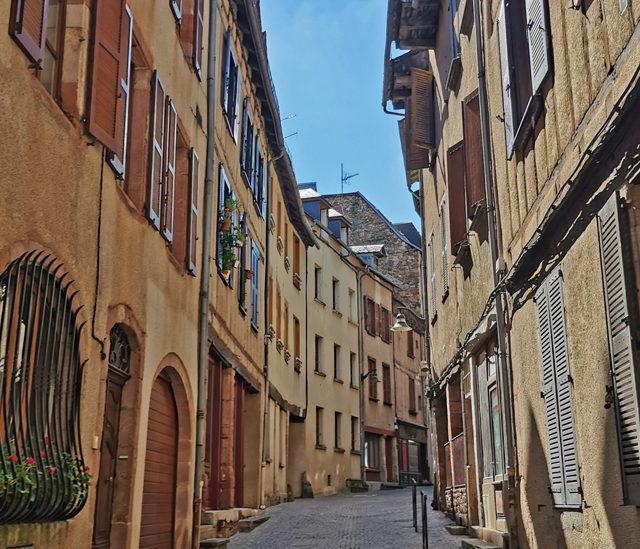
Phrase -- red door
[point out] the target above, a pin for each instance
(214, 435)
(388, 451)
(159, 492)
(238, 445)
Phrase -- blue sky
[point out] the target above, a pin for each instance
(326, 59)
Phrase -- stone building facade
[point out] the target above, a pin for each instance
(533, 362)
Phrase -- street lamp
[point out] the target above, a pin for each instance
(401, 324)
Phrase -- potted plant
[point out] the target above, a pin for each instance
(226, 214)
(228, 253)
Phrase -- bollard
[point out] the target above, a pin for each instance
(425, 534)
(415, 504)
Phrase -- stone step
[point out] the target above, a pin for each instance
(475, 543)
(251, 523)
(208, 531)
(456, 529)
(390, 486)
(221, 543)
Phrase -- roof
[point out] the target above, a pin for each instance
(393, 228)
(408, 229)
(248, 15)
(377, 249)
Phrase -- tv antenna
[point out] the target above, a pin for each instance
(344, 177)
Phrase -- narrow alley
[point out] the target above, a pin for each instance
(374, 520)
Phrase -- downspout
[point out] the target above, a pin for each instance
(205, 275)
(503, 367)
(265, 366)
(359, 275)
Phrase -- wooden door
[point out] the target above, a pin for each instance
(108, 460)
(159, 492)
(214, 435)
(239, 445)
(388, 449)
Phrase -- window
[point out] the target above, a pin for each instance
(278, 314)
(371, 451)
(296, 255)
(270, 312)
(286, 239)
(386, 383)
(525, 53)
(279, 218)
(385, 329)
(318, 354)
(243, 272)
(192, 225)
(247, 144)
(455, 41)
(296, 339)
(412, 396)
(319, 427)
(335, 295)
(410, 350)
(355, 430)
(370, 316)
(337, 431)
(225, 244)
(51, 72)
(255, 280)
(336, 362)
(230, 95)
(37, 315)
(352, 305)
(110, 86)
(557, 391)
(621, 314)
(318, 283)
(432, 276)
(353, 370)
(373, 381)
(444, 253)
(285, 339)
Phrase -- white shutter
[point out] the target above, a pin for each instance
(432, 275)
(444, 255)
(170, 171)
(621, 345)
(156, 173)
(505, 68)
(538, 40)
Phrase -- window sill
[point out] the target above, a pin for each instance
(387, 403)
(254, 328)
(258, 208)
(354, 386)
(353, 322)
(339, 450)
(319, 301)
(434, 317)
(445, 295)
(243, 310)
(281, 465)
(338, 380)
(527, 124)
(355, 452)
(372, 334)
(336, 312)
(413, 412)
(319, 373)
(374, 399)
(321, 447)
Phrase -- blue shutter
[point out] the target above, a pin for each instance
(255, 294)
(538, 40)
(505, 68)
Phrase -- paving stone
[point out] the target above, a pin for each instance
(372, 520)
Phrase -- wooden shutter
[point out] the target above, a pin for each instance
(198, 32)
(622, 345)
(538, 40)
(192, 230)
(176, 8)
(432, 275)
(474, 158)
(110, 65)
(444, 252)
(29, 27)
(157, 141)
(456, 196)
(169, 186)
(506, 71)
(415, 158)
(378, 320)
(557, 392)
(422, 110)
(244, 133)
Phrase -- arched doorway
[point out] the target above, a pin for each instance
(118, 375)
(160, 473)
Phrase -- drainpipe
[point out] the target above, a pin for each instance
(359, 275)
(504, 374)
(205, 274)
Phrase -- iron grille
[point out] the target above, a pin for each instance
(42, 473)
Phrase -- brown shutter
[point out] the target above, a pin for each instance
(192, 230)
(422, 111)
(455, 187)
(111, 42)
(170, 171)
(29, 26)
(157, 141)
(474, 159)
(415, 158)
(198, 28)
(378, 324)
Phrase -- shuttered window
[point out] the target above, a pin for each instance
(432, 275)
(505, 71)
(474, 158)
(198, 33)
(255, 279)
(224, 193)
(176, 8)
(621, 321)
(192, 229)
(456, 196)
(110, 77)
(538, 40)
(169, 183)
(415, 158)
(557, 392)
(421, 117)
(247, 143)
(444, 252)
(230, 87)
(157, 141)
(28, 27)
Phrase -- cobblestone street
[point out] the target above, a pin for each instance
(375, 520)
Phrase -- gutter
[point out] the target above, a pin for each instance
(205, 275)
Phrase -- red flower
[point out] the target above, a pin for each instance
(29, 461)
(43, 453)
(13, 458)
(46, 439)
(52, 470)
(86, 469)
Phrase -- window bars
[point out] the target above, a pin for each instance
(42, 473)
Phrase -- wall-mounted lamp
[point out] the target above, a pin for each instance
(373, 374)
